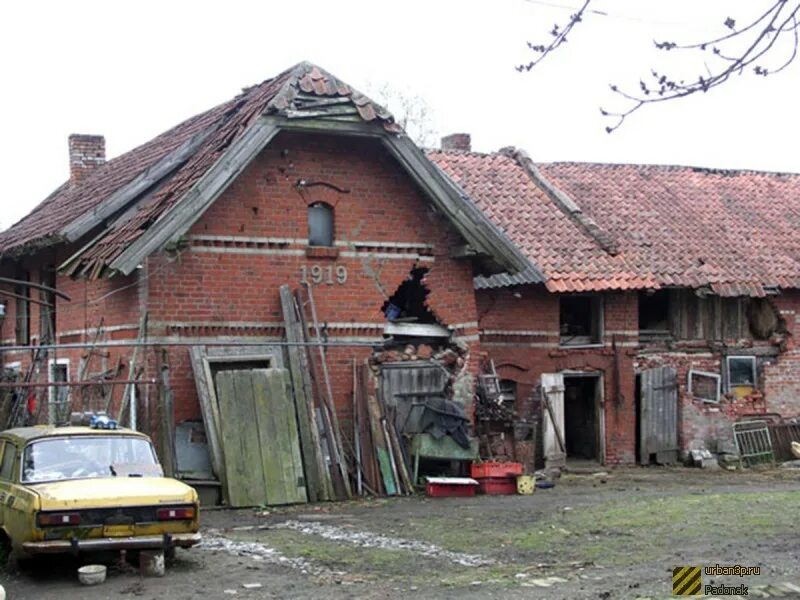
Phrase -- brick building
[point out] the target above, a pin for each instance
(665, 304)
(298, 179)
(607, 288)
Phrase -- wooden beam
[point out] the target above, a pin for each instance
(317, 476)
(463, 251)
(193, 205)
(130, 191)
(36, 286)
(471, 223)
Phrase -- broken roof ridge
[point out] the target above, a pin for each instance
(567, 205)
(110, 165)
(668, 167)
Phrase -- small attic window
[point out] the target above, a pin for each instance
(320, 224)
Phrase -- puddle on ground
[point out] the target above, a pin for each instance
(373, 540)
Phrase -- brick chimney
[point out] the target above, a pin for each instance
(86, 152)
(457, 141)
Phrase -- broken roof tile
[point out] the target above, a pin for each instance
(671, 226)
(223, 124)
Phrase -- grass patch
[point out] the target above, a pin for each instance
(614, 532)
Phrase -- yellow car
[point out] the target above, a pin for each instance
(81, 489)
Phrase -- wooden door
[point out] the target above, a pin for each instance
(553, 392)
(260, 442)
(658, 416)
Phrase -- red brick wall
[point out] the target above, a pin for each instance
(235, 285)
(529, 316)
(532, 313)
(115, 300)
(782, 377)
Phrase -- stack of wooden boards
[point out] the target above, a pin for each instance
(376, 462)
(382, 463)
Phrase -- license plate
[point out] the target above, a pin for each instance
(118, 530)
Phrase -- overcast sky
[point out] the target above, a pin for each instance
(129, 70)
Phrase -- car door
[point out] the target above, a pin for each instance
(6, 451)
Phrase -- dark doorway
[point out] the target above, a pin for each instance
(581, 423)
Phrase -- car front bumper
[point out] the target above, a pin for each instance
(141, 542)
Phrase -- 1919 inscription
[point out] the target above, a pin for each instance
(317, 274)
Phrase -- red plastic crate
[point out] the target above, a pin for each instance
(495, 469)
(444, 487)
(497, 486)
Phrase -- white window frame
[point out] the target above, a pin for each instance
(752, 360)
(52, 392)
(705, 374)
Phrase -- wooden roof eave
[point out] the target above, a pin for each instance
(129, 192)
(471, 223)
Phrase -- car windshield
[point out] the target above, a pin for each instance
(83, 457)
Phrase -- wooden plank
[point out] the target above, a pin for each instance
(194, 203)
(276, 445)
(553, 400)
(167, 424)
(210, 412)
(381, 451)
(296, 482)
(239, 428)
(268, 432)
(313, 462)
(368, 454)
(126, 394)
(84, 223)
(325, 395)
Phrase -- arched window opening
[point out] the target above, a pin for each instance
(320, 224)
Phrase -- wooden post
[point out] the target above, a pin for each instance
(166, 406)
(126, 395)
(313, 461)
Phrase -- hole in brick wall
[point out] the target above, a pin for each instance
(408, 303)
(763, 318)
(654, 311)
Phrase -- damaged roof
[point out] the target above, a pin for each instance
(139, 202)
(596, 227)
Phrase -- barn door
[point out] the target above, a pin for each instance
(553, 392)
(658, 416)
(260, 442)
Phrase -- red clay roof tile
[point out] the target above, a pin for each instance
(735, 231)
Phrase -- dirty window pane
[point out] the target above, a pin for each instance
(741, 370)
(83, 457)
(7, 467)
(320, 225)
(704, 386)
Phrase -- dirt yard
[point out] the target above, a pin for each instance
(589, 537)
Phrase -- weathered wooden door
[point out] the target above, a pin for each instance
(260, 442)
(553, 392)
(658, 416)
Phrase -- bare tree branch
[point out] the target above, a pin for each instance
(734, 53)
(559, 38)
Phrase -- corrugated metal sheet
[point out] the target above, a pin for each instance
(658, 419)
(504, 279)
